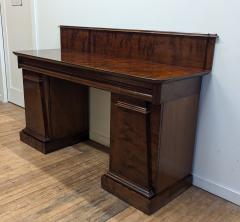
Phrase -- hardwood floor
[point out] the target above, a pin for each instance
(65, 186)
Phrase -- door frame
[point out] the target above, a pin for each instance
(3, 64)
(4, 50)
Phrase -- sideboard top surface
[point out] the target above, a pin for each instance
(135, 68)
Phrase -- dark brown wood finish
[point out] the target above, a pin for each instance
(56, 112)
(155, 79)
(180, 49)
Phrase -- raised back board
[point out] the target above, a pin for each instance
(181, 49)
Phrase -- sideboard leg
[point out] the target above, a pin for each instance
(56, 112)
(151, 150)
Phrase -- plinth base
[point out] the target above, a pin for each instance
(50, 146)
(137, 200)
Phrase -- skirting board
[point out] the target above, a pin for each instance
(217, 189)
(104, 140)
(16, 96)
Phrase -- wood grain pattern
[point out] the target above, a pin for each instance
(64, 186)
(110, 81)
(180, 49)
(155, 80)
(56, 112)
(128, 62)
(177, 140)
(111, 65)
(129, 141)
(151, 149)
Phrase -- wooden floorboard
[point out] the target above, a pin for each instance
(65, 185)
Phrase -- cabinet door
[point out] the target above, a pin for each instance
(130, 140)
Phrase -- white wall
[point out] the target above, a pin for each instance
(217, 157)
(18, 35)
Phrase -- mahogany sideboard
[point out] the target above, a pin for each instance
(155, 82)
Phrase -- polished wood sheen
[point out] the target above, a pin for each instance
(180, 49)
(155, 80)
(46, 106)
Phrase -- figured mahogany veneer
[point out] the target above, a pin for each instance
(155, 80)
(108, 65)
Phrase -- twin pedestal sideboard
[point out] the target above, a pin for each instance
(155, 82)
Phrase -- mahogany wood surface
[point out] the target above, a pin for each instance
(56, 112)
(181, 49)
(138, 69)
(155, 80)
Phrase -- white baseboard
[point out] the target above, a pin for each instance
(104, 140)
(16, 96)
(3, 99)
(217, 189)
